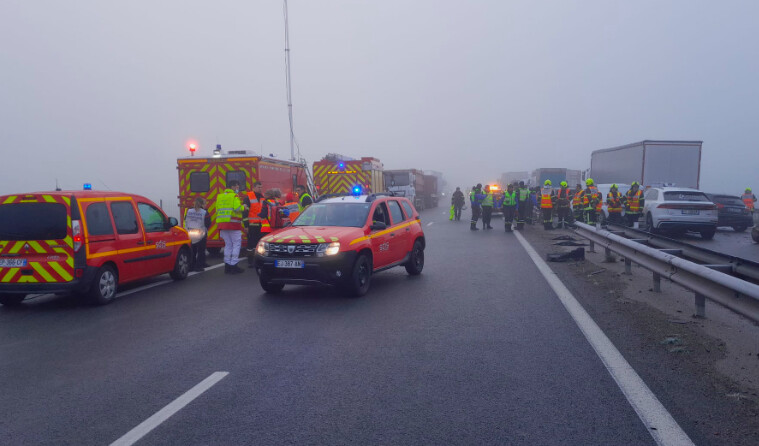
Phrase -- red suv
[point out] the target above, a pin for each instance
(342, 241)
(85, 242)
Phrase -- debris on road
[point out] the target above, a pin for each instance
(575, 254)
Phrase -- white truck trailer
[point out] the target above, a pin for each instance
(651, 163)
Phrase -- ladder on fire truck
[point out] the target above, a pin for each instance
(309, 179)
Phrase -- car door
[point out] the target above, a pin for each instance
(158, 257)
(130, 240)
(399, 238)
(381, 239)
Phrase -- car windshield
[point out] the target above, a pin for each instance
(334, 214)
(727, 200)
(685, 196)
(33, 221)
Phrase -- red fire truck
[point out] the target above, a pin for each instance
(207, 177)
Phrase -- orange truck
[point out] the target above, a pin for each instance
(206, 177)
(338, 174)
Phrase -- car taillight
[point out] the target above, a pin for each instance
(76, 232)
(720, 206)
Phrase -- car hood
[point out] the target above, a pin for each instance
(313, 234)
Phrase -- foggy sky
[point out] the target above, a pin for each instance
(107, 93)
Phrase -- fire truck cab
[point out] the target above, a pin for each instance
(207, 177)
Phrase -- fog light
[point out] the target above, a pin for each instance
(339, 273)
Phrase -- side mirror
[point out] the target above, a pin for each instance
(378, 226)
(173, 222)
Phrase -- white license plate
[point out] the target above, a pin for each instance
(690, 211)
(734, 210)
(12, 263)
(289, 264)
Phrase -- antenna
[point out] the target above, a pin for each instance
(289, 85)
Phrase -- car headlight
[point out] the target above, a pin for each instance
(262, 248)
(329, 249)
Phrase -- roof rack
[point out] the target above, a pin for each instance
(374, 196)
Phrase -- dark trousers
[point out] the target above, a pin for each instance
(487, 214)
(199, 254)
(509, 216)
(254, 235)
(525, 212)
(457, 212)
(590, 216)
(476, 211)
(615, 217)
(547, 217)
(577, 213)
(631, 219)
(565, 217)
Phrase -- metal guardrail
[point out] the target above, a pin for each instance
(706, 281)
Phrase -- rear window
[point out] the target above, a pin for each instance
(33, 221)
(685, 196)
(238, 175)
(730, 201)
(200, 182)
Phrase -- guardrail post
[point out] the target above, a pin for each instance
(700, 305)
(657, 283)
(628, 266)
(592, 246)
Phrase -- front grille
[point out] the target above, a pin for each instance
(284, 250)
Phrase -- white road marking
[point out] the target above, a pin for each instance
(430, 223)
(162, 282)
(655, 417)
(164, 414)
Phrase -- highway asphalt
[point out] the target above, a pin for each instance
(476, 350)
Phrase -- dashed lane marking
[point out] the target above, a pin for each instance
(162, 282)
(430, 223)
(164, 414)
(655, 417)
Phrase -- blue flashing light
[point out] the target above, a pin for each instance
(341, 165)
(87, 186)
(356, 190)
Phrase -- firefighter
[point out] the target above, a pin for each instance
(229, 209)
(253, 200)
(590, 202)
(633, 202)
(577, 202)
(487, 208)
(457, 201)
(547, 203)
(510, 205)
(198, 218)
(614, 205)
(524, 209)
(749, 199)
(304, 199)
(563, 212)
(475, 199)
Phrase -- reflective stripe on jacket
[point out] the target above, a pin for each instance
(591, 198)
(562, 197)
(255, 208)
(300, 201)
(488, 200)
(546, 194)
(614, 202)
(577, 199)
(509, 198)
(632, 204)
(524, 194)
(748, 200)
(228, 210)
(268, 207)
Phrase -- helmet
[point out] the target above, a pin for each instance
(748, 189)
(478, 186)
(589, 181)
(634, 183)
(547, 183)
(563, 184)
(614, 186)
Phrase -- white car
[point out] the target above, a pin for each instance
(677, 209)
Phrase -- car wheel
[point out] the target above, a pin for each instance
(11, 300)
(708, 234)
(739, 228)
(360, 278)
(415, 262)
(269, 286)
(181, 265)
(650, 224)
(103, 290)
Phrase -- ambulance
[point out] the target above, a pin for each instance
(207, 177)
(339, 174)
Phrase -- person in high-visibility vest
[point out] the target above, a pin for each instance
(510, 204)
(304, 199)
(229, 209)
(487, 208)
(749, 199)
(577, 202)
(563, 212)
(633, 202)
(614, 205)
(590, 200)
(270, 211)
(524, 208)
(253, 200)
(475, 199)
(547, 200)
